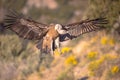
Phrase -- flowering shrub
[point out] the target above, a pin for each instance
(98, 66)
(107, 40)
(71, 60)
(65, 49)
(56, 52)
(115, 69)
(92, 55)
(110, 56)
(104, 40)
(94, 65)
(112, 42)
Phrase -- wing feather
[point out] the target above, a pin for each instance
(25, 27)
(85, 26)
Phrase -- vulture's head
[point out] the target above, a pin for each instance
(59, 28)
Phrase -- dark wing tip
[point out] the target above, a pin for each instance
(100, 20)
(11, 17)
(2, 26)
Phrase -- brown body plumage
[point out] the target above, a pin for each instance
(50, 36)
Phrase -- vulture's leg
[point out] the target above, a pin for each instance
(57, 43)
(52, 47)
(65, 37)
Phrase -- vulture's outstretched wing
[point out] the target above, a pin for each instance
(85, 26)
(25, 27)
(1, 27)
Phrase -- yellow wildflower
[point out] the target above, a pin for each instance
(56, 52)
(101, 60)
(104, 40)
(110, 56)
(71, 60)
(112, 42)
(91, 73)
(95, 64)
(115, 69)
(107, 40)
(92, 55)
(65, 49)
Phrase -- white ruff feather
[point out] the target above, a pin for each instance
(58, 27)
